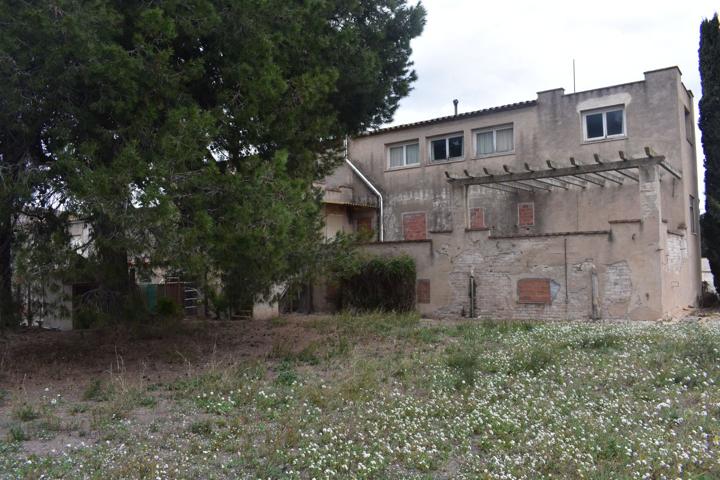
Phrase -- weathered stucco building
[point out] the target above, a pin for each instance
(569, 206)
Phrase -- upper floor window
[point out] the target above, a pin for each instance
(446, 148)
(404, 155)
(607, 123)
(494, 140)
(689, 127)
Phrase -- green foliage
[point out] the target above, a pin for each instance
(17, 434)
(97, 391)
(190, 133)
(25, 412)
(202, 427)
(465, 362)
(710, 127)
(380, 283)
(168, 308)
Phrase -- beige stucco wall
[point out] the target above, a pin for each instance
(645, 268)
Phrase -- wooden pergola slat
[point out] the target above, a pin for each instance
(577, 174)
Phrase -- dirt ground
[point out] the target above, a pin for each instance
(66, 362)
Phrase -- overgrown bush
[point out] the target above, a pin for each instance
(380, 283)
(168, 308)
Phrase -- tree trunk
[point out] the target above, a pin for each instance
(8, 312)
(115, 286)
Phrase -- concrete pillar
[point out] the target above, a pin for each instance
(649, 279)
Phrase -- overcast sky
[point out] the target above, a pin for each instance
(489, 53)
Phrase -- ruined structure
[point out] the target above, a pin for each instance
(569, 206)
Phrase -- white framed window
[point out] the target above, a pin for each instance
(605, 123)
(404, 155)
(489, 141)
(447, 148)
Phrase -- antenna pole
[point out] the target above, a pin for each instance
(573, 75)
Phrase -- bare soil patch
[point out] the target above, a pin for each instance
(67, 362)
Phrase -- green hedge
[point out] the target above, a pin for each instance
(380, 283)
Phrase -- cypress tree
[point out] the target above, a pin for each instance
(710, 127)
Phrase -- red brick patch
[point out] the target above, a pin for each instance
(364, 224)
(423, 291)
(477, 218)
(414, 226)
(534, 290)
(526, 214)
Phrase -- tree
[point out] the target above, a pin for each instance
(191, 132)
(710, 127)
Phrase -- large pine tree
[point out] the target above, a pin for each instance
(710, 128)
(191, 132)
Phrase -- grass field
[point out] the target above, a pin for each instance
(389, 396)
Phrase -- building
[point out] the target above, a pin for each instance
(569, 206)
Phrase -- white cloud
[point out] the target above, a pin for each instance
(492, 53)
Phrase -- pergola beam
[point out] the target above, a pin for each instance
(573, 171)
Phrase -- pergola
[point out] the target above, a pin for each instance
(600, 173)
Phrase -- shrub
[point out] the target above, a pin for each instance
(380, 283)
(167, 308)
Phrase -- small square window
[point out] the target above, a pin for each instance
(446, 148)
(603, 124)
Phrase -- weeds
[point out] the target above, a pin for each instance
(465, 363)
(25, 412)
(97, 391)
(387, 399)
(17, 434)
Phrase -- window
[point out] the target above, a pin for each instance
(404, 155)
(534, 290)
(694, 220)
(608, 123)
(526, 214)
(477, 218)
(494, 140)
(414, 226)
(423, 291)
(689, 127)
(446, 148)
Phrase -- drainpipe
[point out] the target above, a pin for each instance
(370, 186)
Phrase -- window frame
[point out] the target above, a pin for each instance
(404, 146)
(447, 138)
(494, 129)
(604, 111)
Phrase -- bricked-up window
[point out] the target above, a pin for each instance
(414, 226)
(477, 218)
(526, 214)
(423, 291)
(534, 290)
(364, 225)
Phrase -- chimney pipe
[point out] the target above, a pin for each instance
(455, 103)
